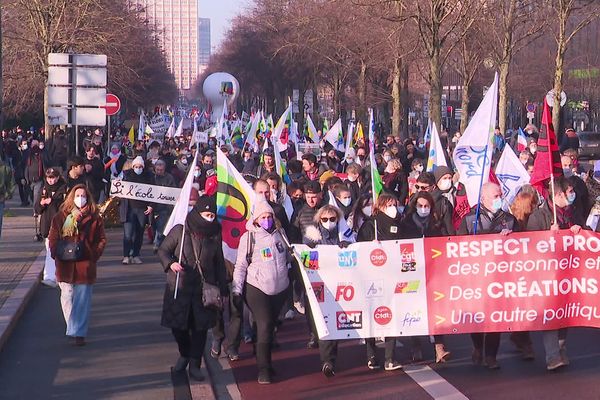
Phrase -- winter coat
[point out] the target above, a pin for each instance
(410, 230)
(301, 220)
(7, 184)
(91, 233)
(176, 312)
(47, 212)
(387, 228)
(168, 181)
(487, 223)
(541, 219)
(269, 258)
(396, 184)
(125, 204)
(34, 167)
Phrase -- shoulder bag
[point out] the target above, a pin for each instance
(211, 294)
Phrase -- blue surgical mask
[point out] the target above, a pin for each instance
(571, 197)
(496, 205)
(138, 170)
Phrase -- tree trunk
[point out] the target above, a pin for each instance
(336, 95)
(300, 111)
(503, 92)
(464, 104)
(362, 92)
(435, 89)
(404, 101)
(396, 101)
(558, 77)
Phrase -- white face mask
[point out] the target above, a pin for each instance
(445, 184)
(346, 202)
(197, 173)
(80, 202)
(387, 158)
(423, 211)
(209, 219)
(138, 170)
(533, 149)
(41, 146)
(352, 178)
(190, 208)
(184, 161)
(328, 225)
(367, 211)
(419, 168)
(391, 211)
(24, 147)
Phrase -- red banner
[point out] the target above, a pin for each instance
(520, 282)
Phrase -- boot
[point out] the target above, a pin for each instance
(195, 372)
(181, 364)
(441, 354)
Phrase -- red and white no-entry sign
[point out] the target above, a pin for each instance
(113, 104)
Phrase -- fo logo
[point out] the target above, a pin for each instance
(383, 315)
(378, 257)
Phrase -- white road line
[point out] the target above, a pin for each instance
(436, 386)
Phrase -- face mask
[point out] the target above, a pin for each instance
(184, 161)
(571, 197)
(329, 225)
(530, 131)
(423, 211)
(80, 202)
(367, 211)
(496, 205)
(207, 165)
(266, 224)
(419, 168)
(138, 170)
(567, 172)
(361, 157)
(445, 184)
(196, 174)
(391, 211)
(24, 147)
(346, 202)
(190, 208)
(115, 151)
(533, 149)
(352, 178)
(387, 158)
(208, 219)
(41, 146)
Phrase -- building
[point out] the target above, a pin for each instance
(203, 44)
(176, 22)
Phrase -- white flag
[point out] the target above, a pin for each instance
(475, 145)
(286, 117)
(142, 126)
(335, 136)
(180, 210)
(511, 174)
(349, 136)
(171, 130)
(437, 156)
(313, 134)
(251, 134)
(179, 131)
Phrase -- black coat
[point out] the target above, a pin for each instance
(176, 312)
(410, 230)
(47, 212)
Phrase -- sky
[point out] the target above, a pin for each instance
(220, 13)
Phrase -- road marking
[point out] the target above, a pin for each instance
(436, 386)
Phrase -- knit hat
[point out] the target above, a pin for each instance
(138, 161)
(260, 208)
(206, 203)
(441, 171)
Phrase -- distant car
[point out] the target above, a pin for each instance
(589, 145)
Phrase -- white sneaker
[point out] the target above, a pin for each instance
(126, 260)
(136, 260)
(289, 315)
(299, 307)
(50, 283)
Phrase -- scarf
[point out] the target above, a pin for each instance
(564, 216)
(199, 227)
(71, 225)
(420, 222)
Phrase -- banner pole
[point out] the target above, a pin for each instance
(477, 212)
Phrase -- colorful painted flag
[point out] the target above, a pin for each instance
(359, 134)
(312, 132)
(437, 155)
(473, 153)
(234, 204)
(282, 130)
(335, 136)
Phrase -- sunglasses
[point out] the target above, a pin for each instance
(421, 187)
(330, 219)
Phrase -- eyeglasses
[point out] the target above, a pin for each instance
(330, 219)
(422, 187)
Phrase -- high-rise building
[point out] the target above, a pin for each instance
(203, 44)
(176, 22)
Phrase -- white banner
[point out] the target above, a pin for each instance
(362, 291)
(143, 192)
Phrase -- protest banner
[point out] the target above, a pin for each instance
(462, 284)
(159, 125)
(140, 191)
(306, 148)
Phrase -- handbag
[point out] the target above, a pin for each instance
(67, 250)
(211, 294)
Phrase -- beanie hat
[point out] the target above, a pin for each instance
(441, 171)
(206, 203)
(138, 161)
(260, 208)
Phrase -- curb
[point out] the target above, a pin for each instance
(220, 380)
(14, 306)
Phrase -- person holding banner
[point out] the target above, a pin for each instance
(556, 214)
(384, 224)
(488, 218)
(261, 277)
(201, 260)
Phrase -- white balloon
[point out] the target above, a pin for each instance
(218, 88)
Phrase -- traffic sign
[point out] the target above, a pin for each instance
(531, 107)
(113, 104)
(550, 98)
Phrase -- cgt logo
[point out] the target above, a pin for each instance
(407, 257)
(383, 315)
(344, 291)
(347, 259)
(349, 320)
(374, 289)
(407, 287)
(319, 289)
(310, 259)
(378, 257)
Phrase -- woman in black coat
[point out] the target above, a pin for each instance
(186, 315)
(53, 194)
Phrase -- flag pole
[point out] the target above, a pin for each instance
(478, 210)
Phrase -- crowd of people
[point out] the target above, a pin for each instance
(265, 288)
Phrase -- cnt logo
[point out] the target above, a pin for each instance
(344, 291)
(347, 259)
(374, 289)
(407, 287)
(319, 289)
(349, 320)
(378, 257)
(382, 315)
(310, 259)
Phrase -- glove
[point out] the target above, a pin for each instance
(312, 245)
(23, 181)
(343, 244)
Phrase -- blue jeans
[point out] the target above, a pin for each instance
(554, 342)
(1, 216)
(133, 232)
(76, 302)
(162, 217)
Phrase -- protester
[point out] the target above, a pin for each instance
(75, 173)
(6, 189)
(77, 222)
